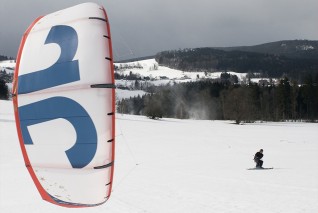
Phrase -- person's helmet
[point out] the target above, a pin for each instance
(261, 150)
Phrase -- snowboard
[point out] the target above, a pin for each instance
(256, 168)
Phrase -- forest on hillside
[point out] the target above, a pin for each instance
(4, 58)
(211, 60)
(226, 101)
(4, 90)
(288, 48)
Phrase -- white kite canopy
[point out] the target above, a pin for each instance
(64, 101)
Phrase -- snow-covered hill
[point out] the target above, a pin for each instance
(160, 75)
(122, 94)
(8, 66)
(150, 68)
(172, 165)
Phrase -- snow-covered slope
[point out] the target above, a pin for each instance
(173, 165)
(7, 66)
(150, 68)
(122, 94)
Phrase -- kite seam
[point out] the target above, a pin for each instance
(104, 166)
(97, 18)
(110, 86)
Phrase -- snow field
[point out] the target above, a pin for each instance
(172, 165)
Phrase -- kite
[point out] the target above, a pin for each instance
(64, 103)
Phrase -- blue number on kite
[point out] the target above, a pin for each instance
(65, 70)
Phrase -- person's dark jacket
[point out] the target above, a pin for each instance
(258, 156)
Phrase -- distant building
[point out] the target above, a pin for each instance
(263, 82)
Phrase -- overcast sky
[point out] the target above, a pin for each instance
(145, 27)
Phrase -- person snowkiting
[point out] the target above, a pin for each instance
(257, 158)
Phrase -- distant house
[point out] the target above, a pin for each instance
(263, 82)
(164, 78)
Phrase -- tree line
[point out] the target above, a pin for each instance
(226, 101)
(4, 91)
(211, 60)
(4, 58)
